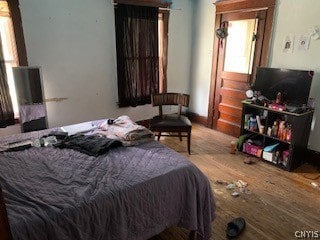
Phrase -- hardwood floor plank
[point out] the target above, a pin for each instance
(277, 203)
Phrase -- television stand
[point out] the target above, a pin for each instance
(290, 152)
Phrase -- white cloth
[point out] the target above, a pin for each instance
(126, 131)
(31, 112)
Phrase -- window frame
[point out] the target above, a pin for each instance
(18, 31)
(164, 11)
(13, 37)
(150, 3)
(163, 57)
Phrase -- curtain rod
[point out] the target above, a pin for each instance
(160, 8)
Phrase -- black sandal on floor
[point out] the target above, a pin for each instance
(235, 227)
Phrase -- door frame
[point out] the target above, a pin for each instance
(238, 6)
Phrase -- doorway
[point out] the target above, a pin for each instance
(241, 45)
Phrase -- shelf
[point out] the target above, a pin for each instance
(277, 111)
(300, 129)
(279, 165)
(277, 139)
(265, 135)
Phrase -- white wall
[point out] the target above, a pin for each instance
(180, 40)
(74, 43)
(298, 17)
(295, 17)
(202, 50)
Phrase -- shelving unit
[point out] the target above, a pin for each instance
(300, 130)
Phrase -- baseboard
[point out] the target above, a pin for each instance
(194, 117)
(313, 157)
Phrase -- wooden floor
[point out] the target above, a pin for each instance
(277, 204)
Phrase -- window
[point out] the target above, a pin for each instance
(141, 36)
(163, 49)
(9, 51)
(12, 40)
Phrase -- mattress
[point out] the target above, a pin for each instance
(127, 193)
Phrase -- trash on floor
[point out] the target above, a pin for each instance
(241, 184)
(238, 187)
(235, 194)
(222, 182)
(249, 160)
(315, 185)
(231, 186)
(270, 182)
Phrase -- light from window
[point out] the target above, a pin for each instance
(240, 46)
(9, 52)
(161, 31)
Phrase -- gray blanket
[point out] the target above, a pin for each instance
(129, 193)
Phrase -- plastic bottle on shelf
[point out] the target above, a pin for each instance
(274, 130)
(269, 131)
(246, 121)
(281, 130)
(253, 123)
(284, 134)
(278, 98)
(289, 133)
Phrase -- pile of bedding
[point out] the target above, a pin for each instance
(98, 138)
(125, 130)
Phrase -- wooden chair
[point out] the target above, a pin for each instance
(176, 123)
(5, 233)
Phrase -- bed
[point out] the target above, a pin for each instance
(131, 192)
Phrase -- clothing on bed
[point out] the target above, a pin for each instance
(122, 129)
(92, 145)
(126, 131)
(130, 193)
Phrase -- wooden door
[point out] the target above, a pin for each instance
(248, 41)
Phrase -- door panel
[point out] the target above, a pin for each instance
(228, 117)
(230, 101)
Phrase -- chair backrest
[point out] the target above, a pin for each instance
(178, 99)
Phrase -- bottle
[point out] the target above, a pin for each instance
(289, 132)
(269, 131)
(281, 130)
(274, 130)
(246, 121)
(233, 147)
(253, 124)
(284, 134)
(278, 98)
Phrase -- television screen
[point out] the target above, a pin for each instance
(294, 85)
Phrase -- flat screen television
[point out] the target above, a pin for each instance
(294, 85)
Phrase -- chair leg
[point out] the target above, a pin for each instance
(189, 141)
(159, 135)
(180, 137)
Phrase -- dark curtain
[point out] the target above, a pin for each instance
(6, 108)
(137, 54)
